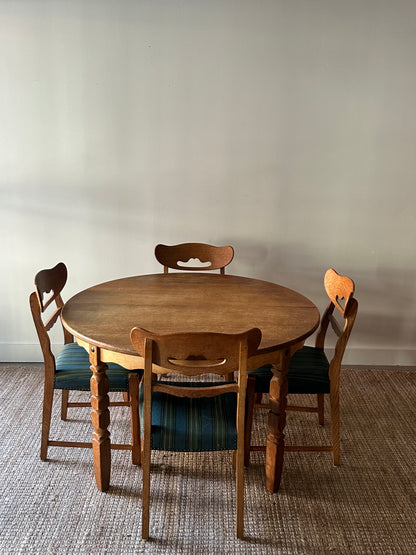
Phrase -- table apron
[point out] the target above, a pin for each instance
(132, 362)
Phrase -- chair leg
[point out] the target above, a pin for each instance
(145, 494)
(133, 397)
(321, 408)
(64, 404)
(335, 426)
(146, 455)
(251, 398)
(240, 490)
(46, 420)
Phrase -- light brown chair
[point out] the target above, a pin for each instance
(177, 256)
(71, 368)
(222, 404)
(310, 372)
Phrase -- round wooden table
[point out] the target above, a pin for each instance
(101, 317)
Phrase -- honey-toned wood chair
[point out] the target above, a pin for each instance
(177, 256)
(203, 415)
(310, 372)
(70, 370)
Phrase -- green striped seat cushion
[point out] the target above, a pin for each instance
(263, 376)
(308, 373)
(72, 371)
(192, 424)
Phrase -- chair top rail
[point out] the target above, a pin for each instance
(177, 256)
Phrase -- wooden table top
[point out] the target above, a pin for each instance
(103, 315)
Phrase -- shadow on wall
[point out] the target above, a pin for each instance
(387, 296)
(386, 315)
(296, 267)
(292, 267)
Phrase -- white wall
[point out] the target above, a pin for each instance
(286, 129)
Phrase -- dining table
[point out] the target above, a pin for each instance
(101, 317)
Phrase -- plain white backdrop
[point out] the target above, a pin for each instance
(286, 129)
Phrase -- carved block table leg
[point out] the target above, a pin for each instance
(100, 416)
(277, 420)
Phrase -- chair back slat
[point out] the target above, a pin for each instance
(341, 344)
(51, 321)
(335, 325)
(194, 354)
(178, 256)
(42, 332)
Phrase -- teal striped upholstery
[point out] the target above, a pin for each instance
(192, 424)
(308, 373)
(73, 371)
(263, 376)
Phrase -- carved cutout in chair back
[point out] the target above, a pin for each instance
(340, 290)
(51, 280)
(196, 353)
(178, 256)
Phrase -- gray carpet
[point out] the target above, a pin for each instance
(365, 506)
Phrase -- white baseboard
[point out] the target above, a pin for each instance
(369, 356)
(21, 352)
(379, 357)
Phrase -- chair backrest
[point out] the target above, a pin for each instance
(340, 290)
(177, 256)
(195, 354)
(48, 286)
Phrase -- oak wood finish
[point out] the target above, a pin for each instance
(176, 256)
(48, 287)
(100, 416)
(195, 354)
(178, 302)
(340, 290)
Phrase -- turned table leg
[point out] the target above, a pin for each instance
(100, 416)
(277, 420)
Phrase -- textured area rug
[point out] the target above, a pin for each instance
(365, 506)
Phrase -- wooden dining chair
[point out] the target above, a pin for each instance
(310, 372)
(178, 256)
(203, 415)
(70, 370)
